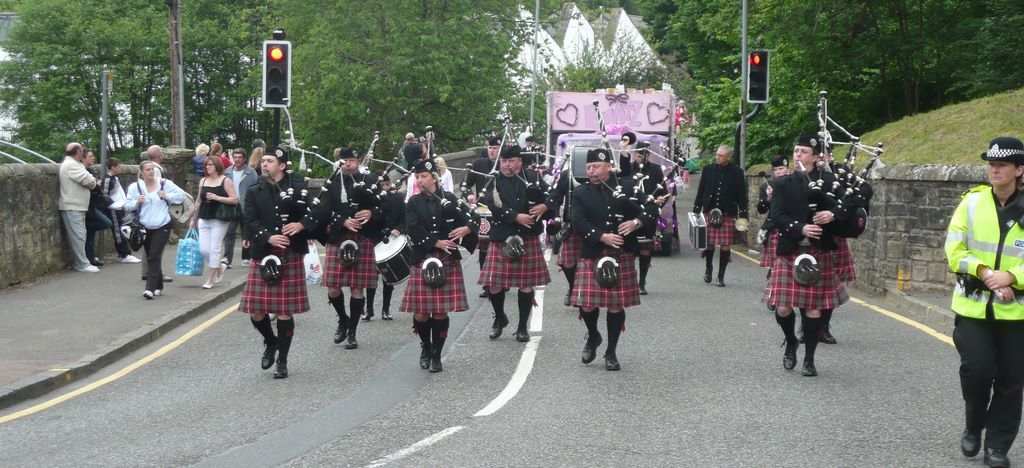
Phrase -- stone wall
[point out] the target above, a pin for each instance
(907, 226)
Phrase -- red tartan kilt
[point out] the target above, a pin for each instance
(569, 253)
(726, 234)
(588, 294)
(422, 299)
(768, 254)
(529, 271)
(361, 275)
(783, 290)
(843, 261)
(287, 297)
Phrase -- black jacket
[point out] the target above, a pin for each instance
(265, 212)
(722, 187)
(392, 204)
(328, 215)
(791, 211)
(595, 211)
(474, 182)
(427, 221)
(515, 199)
(763, 205)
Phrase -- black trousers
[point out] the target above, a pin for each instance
(991, 377)
(156, 241)
(229, 242)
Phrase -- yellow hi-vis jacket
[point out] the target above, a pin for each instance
(973, 240)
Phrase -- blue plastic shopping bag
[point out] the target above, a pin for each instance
(190, 260)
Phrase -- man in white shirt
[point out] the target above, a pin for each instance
(243, 176)
(75, 185)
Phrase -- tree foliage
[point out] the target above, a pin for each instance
(878, 60)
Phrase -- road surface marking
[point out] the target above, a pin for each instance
(121, 373)
(517, 381)
(415, 447)
(888, 313)
(537, 315)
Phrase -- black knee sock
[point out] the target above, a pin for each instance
(339, 307)
(357, 310)
(386, 298)
(525, 306)
(590, 320)
(371, 293)
(616, 322)
(285, 331)
(709, 258)
(826, 317)
(438, 334)
(482, 257)
(645, 265)
(723, 261)
(570, 276)
(423, 330)
(787, 324)
(498, 302)
(811, 327)
(263, 326)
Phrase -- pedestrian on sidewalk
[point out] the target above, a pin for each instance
(216, 205)
(111, 187)
(156, 154)
(75, 183)
(243, 177)
(95, 218)
(152, 197)
(983, 249)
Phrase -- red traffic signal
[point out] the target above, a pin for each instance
(276, 53)
(277, 73)
(757, 77)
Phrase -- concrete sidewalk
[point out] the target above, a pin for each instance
(69, 325)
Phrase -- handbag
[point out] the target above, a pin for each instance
(190, 259)
(311, 263)
(181, 212)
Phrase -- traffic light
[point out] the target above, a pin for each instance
(757, 77)
(277, 73)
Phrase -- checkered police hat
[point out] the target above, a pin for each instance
(1005, 149)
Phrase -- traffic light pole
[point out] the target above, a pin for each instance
(276, 137)
(742, 143)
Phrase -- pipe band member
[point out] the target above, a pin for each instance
(474, 185)
(607, 214)
(799, 214)
(569, 251)
(392, 204)
(650, 182)
(780, 168)
(348, 220)
(272, 208)
(517, 199)
(723, 187)
(437, 227)
(983, 247)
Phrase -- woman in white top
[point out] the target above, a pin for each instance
(152, 197)
(215, 190)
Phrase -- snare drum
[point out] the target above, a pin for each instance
(485, 223)
(392, 256)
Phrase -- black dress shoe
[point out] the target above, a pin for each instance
(268, 356)
(996, 458)
(435, 364)
(707, 276)
(341, 333)
(567, 300)
(499, 324)
(385, 315)
(611, 362)
(168, 279)
(590, 348)
(281, 372)
(424, 355)
(826, 336)
(720, 283)
(970, 443)
(483, 293)
(522, 336)
(368, 316)
(96, 262)
(771, 308)
(789, 357)
(351, 343)
(643, 291)
(809, 370)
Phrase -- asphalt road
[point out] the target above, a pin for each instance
(702, 385)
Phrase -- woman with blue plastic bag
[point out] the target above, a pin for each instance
(216, 207)
(152, 197)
